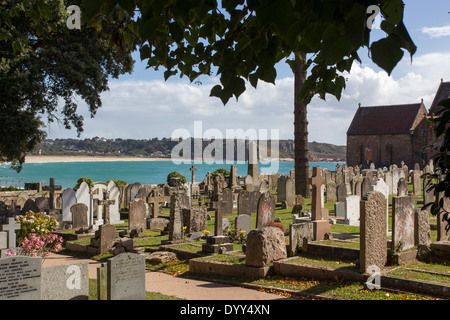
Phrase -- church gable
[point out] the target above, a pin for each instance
(382, 120)
(442, 93)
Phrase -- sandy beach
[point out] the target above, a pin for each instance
(45, 159)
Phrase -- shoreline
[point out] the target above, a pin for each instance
(48, 159)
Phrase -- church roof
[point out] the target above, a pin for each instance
(393, 119)
(442, 93)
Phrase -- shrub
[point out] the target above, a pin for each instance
(276, 224)
(175, 174)
(35, 237)
(89, 181)
(222, 171)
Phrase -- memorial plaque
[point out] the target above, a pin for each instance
(126, 277)
(20, 278)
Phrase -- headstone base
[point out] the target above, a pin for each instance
(320, 228)
(217, 248)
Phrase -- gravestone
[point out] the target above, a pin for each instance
(79, 216)
(402, 223)
(422, 231)
(417, 191)
(331, 192)
(428, 195)
(265, 245)
(137, 216)
(65, 282)
(388, 180)
(68, 200)
(266, 209)
(21, 198)
(290, 192)
(194, 219)
(245, 203)
(341, 192)
(175, 218)
(395, 178)
(358, 188)
(125, 278)
(402, 188)
(227, 198)
(281, 191)
(248, 182)
(339, 210)
(8, 236)
(373, 238)
(20, 278)
(28, 206)
(83, 196)
(98, 195)
(43, 204)
(218, 242)
(106, 236)
(243, 222)
(382, 187)
(134, 190)
(297, 233)
(52, 194)
(443, 227)
(366, 186)
(106, 203)
(321, 226)
(114, 208)
(352, 210)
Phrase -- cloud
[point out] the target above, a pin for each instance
(146, 109)
(437, 32)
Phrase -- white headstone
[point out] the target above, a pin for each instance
(352, 210)
(83, 196)
(382, 187)
(68, 200)
(98, 190)
(114, 194)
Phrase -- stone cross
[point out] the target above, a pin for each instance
(11, 228)
(106, 203)
(52, 188)
(155, 202)
(193, 169)
(316, 182)
(218, 228)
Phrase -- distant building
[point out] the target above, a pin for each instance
(386, 135)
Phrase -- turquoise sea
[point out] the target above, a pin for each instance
(66, 174)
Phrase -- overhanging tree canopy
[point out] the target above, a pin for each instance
(244, 40)
(45, 67)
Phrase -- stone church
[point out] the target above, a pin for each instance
(386, 135)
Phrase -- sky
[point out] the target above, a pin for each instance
(144, 106)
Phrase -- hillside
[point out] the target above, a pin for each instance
(162, 148)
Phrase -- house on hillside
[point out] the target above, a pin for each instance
(386, 135)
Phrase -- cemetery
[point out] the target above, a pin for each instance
(363, 234)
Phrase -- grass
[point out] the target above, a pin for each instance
(420, 271)
(148, 295)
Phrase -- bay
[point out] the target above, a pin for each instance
(66, 174)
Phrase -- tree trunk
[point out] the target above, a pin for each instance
(300, 132)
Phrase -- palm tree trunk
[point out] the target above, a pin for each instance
(300, 132)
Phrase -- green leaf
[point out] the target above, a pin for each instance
(386, 53)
